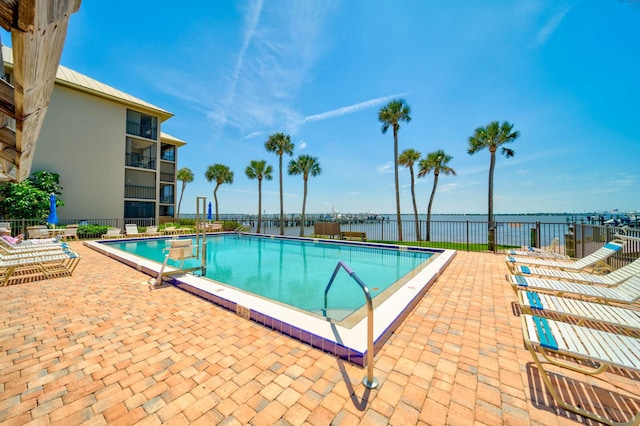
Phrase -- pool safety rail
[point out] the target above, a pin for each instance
(183, 249)
(369, 381)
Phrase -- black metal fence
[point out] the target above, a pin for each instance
(575, 239)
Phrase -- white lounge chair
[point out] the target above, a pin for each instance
(152, 231)
(131, 229)
(49, 264)
(548, 252)
(112, 233)
(628, 292)
(70, 233)
(539, 303)
(544, 337)
(594, 261)
(611, 279)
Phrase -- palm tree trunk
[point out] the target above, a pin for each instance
(177, 215)
(304, 204)
(491, 231)
(433, 195)
(415, 206)
(395, 164)
(215, 198)
(259, 205)
(281, 201)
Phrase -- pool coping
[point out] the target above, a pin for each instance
(347, 343)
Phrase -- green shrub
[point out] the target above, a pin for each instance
(91, 231)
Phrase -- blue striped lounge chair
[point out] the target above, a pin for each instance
(611, 279)
(47, 265)
(563, 308)
(628, 292)
(546, 338)
(595, 261)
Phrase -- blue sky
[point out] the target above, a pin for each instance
(565, 73)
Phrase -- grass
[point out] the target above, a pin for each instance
(444, 245)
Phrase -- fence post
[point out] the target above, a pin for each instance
(467, 235)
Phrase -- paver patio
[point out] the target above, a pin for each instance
(101, 348)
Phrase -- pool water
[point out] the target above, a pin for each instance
(294, 272)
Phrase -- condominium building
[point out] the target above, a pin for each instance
(113, 159)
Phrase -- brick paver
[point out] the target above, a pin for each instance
(100, 347)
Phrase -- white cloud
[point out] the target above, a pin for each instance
(550, 26)
(351, 108)
(385, 168)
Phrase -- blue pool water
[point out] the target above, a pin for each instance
(294, 272)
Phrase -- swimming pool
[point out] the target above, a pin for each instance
(280, 282)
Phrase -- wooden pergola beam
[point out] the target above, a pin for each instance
(38, 29)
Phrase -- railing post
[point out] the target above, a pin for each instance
(369, 381)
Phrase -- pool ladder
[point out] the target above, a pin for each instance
(369, 381)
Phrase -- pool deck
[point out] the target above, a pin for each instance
(101, 348)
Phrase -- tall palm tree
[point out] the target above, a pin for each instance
(304, 165)
(493, 136)
(185, 175)
(218, 173)
(391, 115)
(408, 158)
(280, 144)
(436, 162)
(259, 169)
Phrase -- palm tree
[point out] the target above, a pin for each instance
(407, 158)
(492, 136)
(436, 162)
(304, 165)
(259, 170)
(185, 175)
(218, 173)
(280, 144)
(390, 116)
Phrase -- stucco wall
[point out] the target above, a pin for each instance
(83, 139)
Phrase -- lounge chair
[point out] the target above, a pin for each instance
(131, 230)
(628, 292)
(34, 268)
(112, 233)
(173, 230)
(611, 279)
(595, 261)
(152, 231)
(7, 248)
(37, 231)
(581, 343)
(70, 233)
(547, 252)
(580, 310)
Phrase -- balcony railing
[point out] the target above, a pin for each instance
(146, 131)
(141, 161)
(166, 200)
(140, 192)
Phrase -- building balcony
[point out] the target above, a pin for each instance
(140, 192)
(141, 161)
(147, 131)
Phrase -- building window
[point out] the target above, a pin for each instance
(142, 125)
(166, 194)
(168, 152)
(139, 210)
(166, 211)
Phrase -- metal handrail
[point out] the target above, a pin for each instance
(369, 381)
